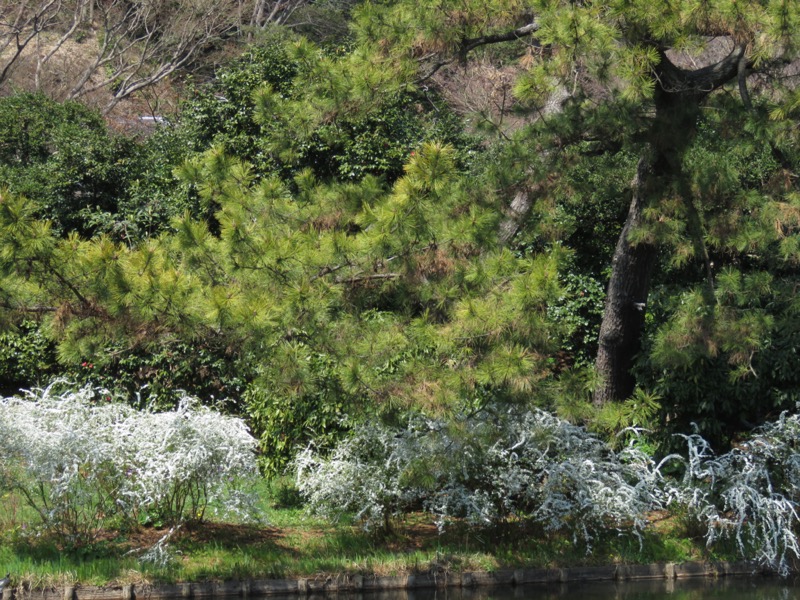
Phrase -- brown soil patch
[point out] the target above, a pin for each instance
(225, 534)
(415, 533)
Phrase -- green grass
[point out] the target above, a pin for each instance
(294, 544)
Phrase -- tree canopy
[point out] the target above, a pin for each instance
(322, 236)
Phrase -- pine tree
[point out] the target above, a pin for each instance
(657, 66)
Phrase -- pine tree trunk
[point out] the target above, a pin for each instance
(659, 169)
(623, 318)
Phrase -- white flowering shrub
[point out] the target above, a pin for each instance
(182, 461)
(82, 460)
(485, 468)
(364, 474)
(749, 494)
(535, 466)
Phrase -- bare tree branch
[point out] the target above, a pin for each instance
(141, 43)
(78, 15)
(20, 23)
(468, 45)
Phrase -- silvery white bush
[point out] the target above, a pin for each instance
(484, 468)
(750, 493)
(497, 464)
(183, 460)
(363, 475)
(81, 459)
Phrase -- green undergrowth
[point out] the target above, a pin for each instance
(293, 544)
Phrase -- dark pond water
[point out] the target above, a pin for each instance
(691, 589)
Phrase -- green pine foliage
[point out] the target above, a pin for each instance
(315, 237)
(287, 105)
(722, 331)
(286, 286)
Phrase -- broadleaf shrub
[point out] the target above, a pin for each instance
(83, 461)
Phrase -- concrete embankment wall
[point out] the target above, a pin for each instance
(358, 583)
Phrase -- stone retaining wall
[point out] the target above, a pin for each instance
(358, 583)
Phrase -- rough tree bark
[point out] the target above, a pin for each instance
(678, 97)
(626, 298)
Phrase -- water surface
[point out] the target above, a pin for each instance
(729, 588)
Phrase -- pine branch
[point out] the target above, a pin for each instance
(72, 288)
(360, 278)
(470, 44)
(433, 71)
(327, 270)
(28, 309)
(742, 76)
(519, 209)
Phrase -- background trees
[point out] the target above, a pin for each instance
(106, 52)
(120, 47)
(62, 157)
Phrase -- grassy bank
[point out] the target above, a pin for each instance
(291, 543)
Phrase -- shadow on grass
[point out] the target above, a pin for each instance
(220, 551)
